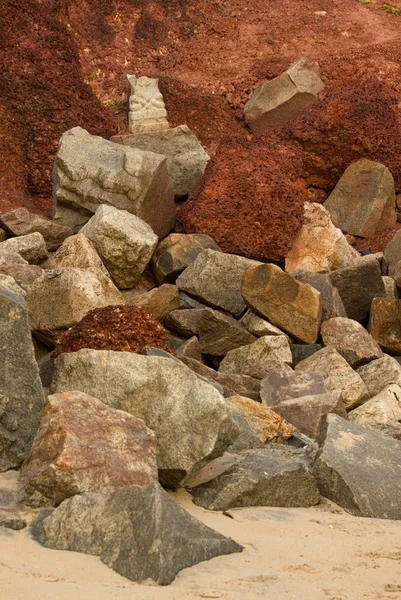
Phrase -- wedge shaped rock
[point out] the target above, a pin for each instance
(351, 340)
(219, 333)
(76, 251)
(359, 469)
(379, 373)
(138, 531)
(90, 171)
(189, 417)
(332, 305)
(382, 409)
(264, 422)
(268, 353)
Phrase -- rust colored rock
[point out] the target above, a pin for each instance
(294, 307)
(385, 324)
(251, 199)
(83, 445)
(120, 328)
(268, 425)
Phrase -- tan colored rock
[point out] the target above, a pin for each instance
(185, 321)
(396, 271)
(363, 201)
(351, 340)
(392, 253)
(383, 409)
(124, 242)
(390, 287)
(281, 99)
(380, 373)
(385, 324)
(3, 234)
(57, 303)
(147, 111)
(190, 349)
(159, 302)
(268, 353)
(81, 446)
(319, 247)
(258, 326)
(264, 422)
(20, 221)
(338, 375)
(76, 251)
(292, 306)
(31, 247)
(176, 252)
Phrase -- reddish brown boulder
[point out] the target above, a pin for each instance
(251, 199)
(85, 446)
(121, 328)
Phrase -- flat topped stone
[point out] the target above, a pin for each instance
(359, 469)
(292, 306)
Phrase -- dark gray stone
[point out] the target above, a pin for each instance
(184, 321)
(359, 469)
(138, 531)
(302, 351)
(219, 333)
(273, 476)
(11, 521)
(21, 394)
(332, 305)
(357, 286)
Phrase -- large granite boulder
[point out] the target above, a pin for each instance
(268, 353)
(186, 158)
(138, 531)
(84, 446)
(281, 99)
(294, 307)
(184, 322)
(215, 279)
(359, 469)
(273, 476)
(189, 417)
(90, 171)
(382, 409)
(21, 394)
(351, 340)
(22, 222)
(363, 201)
(124, 242)
(379, 373)
(76, 251)
(57, 303)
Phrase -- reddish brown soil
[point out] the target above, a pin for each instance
(120, 328)
(64, 62)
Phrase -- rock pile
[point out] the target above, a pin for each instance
(169, 354)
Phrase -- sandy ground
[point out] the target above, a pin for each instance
(307, 554)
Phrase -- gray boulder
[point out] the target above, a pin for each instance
(359, 469)
(184, 321)
(90, 171)
(219, 333)
(31, 247)
(21, 394)
(189, 417)
(138, 531)
(268, 353)
(332, 304)
(276, 475)
(379, 373)
(301, 351)
(351, 340)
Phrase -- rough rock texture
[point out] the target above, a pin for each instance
(392, 253)
(281, 99)
(22, 222)
(159, 301)
(21, 394)
(57, 303)
(176, 252)
(147, 112)
(233, 384)
(185, 321)
(292, 306)
(13, 265)
(11, 521)
(382, 409)
(351, 340)
(124, 242)
(359, 469)
(138, 531)
(264, 422)
(302, 351)
(363, 201)
(357, 286)
(332, 305)
(120, 328)
(189, 417)
(3, 234)
(190, 349)
(251, 200)
(186, 158)
(258, 326)
(90, 171)
(380, 373)
(76, 251)
(268, 353)
(84, 446)
(308, 413)
(215, 278)
(278, 386)
(319, 247)
(397, 279)
(272, 476)
(385, 324)
(31, 247)
(8, 284)
(338, 375)
(219, 333)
